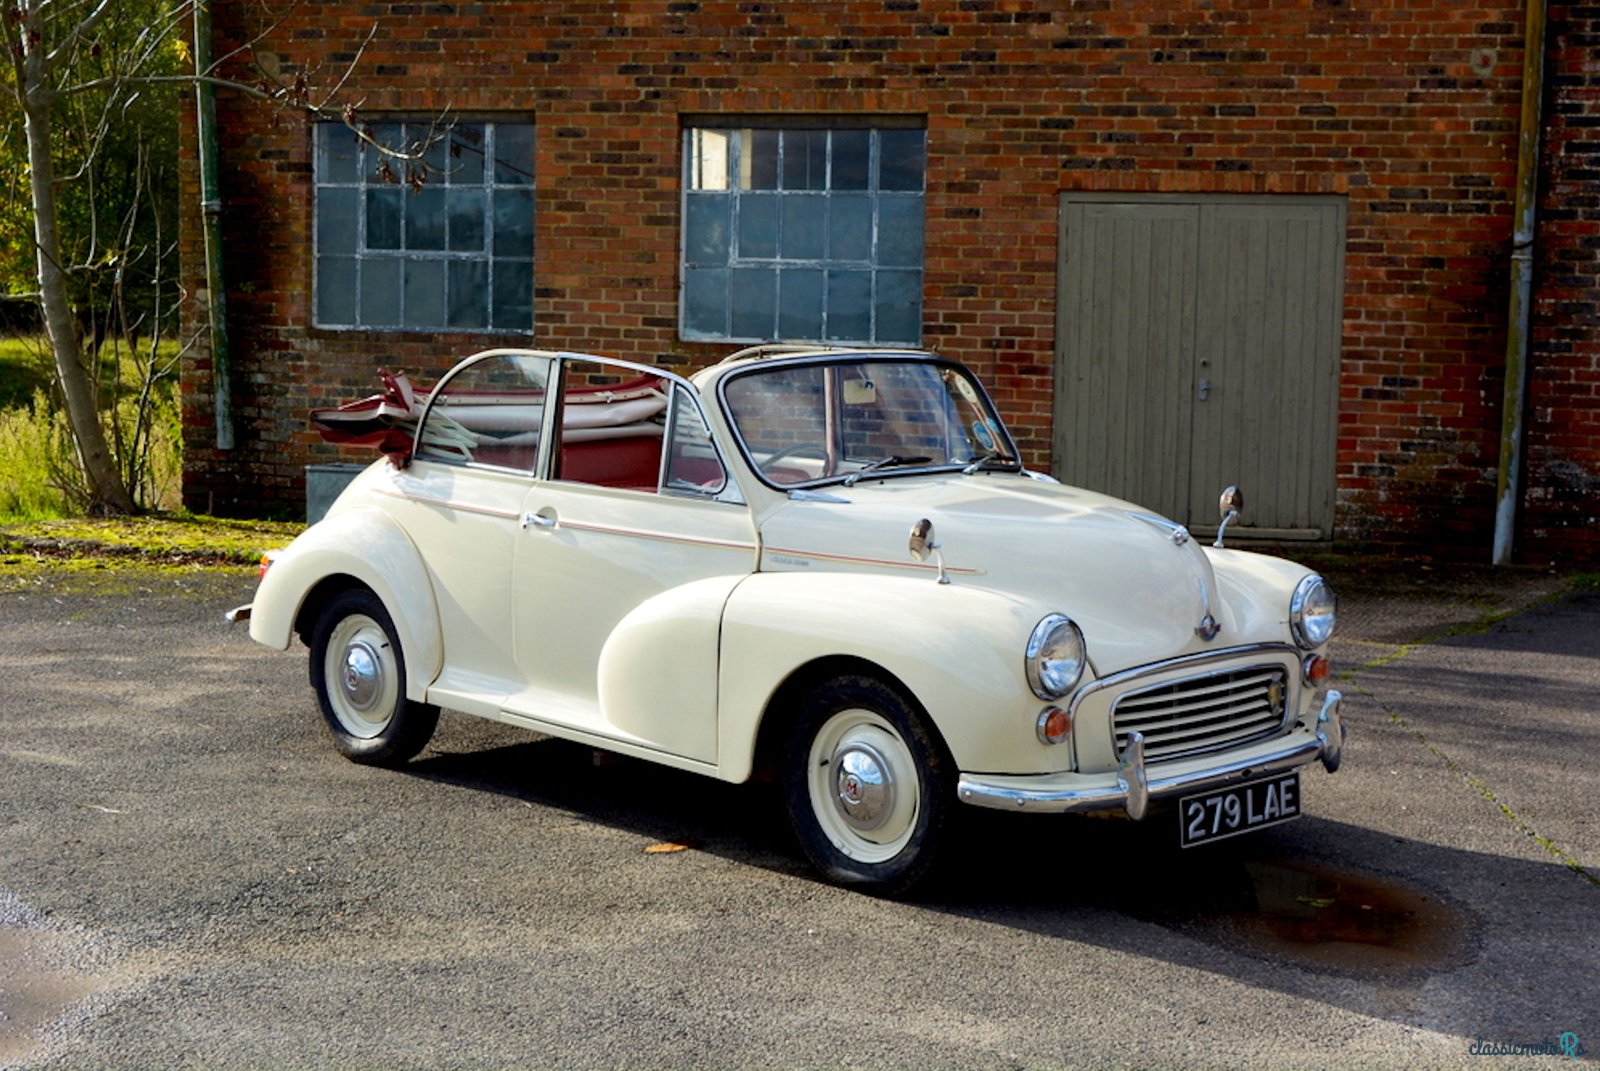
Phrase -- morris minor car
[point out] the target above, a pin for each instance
(827, 567)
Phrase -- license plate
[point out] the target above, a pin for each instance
(1230, 811)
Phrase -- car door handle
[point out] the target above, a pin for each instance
(539, 520)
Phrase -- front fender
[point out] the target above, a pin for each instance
(366, 545)
(957, 648)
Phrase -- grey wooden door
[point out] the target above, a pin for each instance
(1197, 345)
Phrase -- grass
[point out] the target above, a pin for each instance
(24, 371)
(37, 460)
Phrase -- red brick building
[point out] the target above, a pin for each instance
(1265, 243)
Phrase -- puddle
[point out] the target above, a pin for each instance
(34, 992)
(1344, 921)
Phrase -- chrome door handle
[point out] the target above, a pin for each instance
(1204, 389)
(538, 520)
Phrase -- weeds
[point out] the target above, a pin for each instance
(39, 474)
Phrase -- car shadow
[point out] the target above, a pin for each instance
(1317, 909)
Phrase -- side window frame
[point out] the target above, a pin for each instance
(442, 390)
(676, 386)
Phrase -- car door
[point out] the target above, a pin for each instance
(460, 500)
(625, 559)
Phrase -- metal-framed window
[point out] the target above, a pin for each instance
(802, 232)
(452, 251)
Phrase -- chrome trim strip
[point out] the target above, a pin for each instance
(980, 791)
(660, 537)
(464, 507)
(922, 566)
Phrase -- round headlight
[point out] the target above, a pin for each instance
(1055, 657)
(1313, 612)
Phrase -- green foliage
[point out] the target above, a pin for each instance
(116, 152)
(39, 475)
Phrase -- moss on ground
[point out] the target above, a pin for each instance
(172, 540)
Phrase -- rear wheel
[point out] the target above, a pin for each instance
(867, 785)
(358, 671)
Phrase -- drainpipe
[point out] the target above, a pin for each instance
(205, 101)
(1508, 487)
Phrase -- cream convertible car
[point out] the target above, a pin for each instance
(825, 566)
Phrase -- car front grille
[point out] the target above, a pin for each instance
(1203, 713)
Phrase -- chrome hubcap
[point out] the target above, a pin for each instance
(363, 676)
(865, 786)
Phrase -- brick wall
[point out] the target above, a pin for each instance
(1410, 113)
(1562, 495)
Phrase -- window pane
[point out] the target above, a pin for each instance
(336, 290)
(424, 293)
(692, 462)
(804, 236)
(900, 231)
(705, 301)
(384, 206)
(513, 295)
(513, 223)
(758, 226)
(390, 136)
(805, 159)
(466, 219)
(800, 304)
(755, 302)
(758, 167)
(513, 153)
(430, 141)
(899, 307)
(850, 227)
(469, 294)
(425, 218)
(380, 292)
(338, 154)
(466, 155)
(705, 238)
(851, 149)
(336, 221)
(499, 403)
(900, 159)
(849, 306)
(708, 159)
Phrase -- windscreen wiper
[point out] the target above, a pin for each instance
(884, 463)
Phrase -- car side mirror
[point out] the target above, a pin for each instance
(1230, 505)
(922, 544)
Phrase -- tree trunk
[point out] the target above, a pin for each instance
(107, 492)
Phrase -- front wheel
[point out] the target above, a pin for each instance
(867, 786)
(358, 671)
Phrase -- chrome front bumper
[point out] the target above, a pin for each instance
(1133, 787)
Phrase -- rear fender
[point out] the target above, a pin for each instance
(358, 546)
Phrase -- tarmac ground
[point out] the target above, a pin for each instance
(191, 878)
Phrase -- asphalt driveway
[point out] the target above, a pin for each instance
(191, 878)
